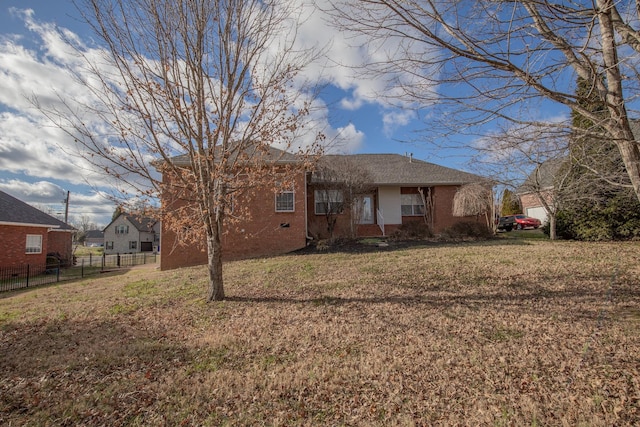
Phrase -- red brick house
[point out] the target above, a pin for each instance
(27, 234)
(284, 222)
(539, 187)
(399, 187)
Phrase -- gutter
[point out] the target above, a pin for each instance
(25, 224)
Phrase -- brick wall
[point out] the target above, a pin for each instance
(443, 207)
(13, 241)
(60, 242)
(533, 200)
(261, 232)
(442, 218)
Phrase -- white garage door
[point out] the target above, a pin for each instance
(538, 212)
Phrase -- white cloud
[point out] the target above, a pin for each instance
(395, 119)
(524, 143)
(37, 192)
(348, 139)
(50, 198)
(30, 145)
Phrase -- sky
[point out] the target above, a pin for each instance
(37, 164)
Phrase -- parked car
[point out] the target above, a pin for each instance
(507, 223)
(523, 221)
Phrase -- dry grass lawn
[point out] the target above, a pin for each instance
(507, 332)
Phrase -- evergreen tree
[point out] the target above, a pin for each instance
(510, 203)
(598, 202)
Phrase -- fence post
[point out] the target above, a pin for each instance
(58, 272)
(118, 259)
(82, 267)
(104, 256)
(90, 256)
(28, 275)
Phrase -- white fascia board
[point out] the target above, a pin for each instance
(24, 224)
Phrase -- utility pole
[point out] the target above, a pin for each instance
(66, 208)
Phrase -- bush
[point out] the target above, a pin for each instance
(617, 218)
(333, 243)
(414, 230)
(467, 229)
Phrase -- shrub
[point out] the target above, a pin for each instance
(412, 231)
(467, 229)
(617, 218)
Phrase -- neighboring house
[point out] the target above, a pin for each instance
(128, 234)
(287, 221)
(94, 238)
(28, 235)
(540, 186)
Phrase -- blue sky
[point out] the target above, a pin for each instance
(35, 167)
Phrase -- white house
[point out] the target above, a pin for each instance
(128, 234)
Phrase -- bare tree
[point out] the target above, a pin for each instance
(475, 199)
(529, 161)
(82, 224)
(487, 60)
(201, 90)
(339, 186)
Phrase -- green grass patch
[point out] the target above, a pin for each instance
(140, 288)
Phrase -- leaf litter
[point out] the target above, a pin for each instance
(488, 333)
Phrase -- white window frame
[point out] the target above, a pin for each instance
(291, 203)
(334, 204)
(33, 244)
(122, 229)
(133, 244)
(108, 245)
(414, 201)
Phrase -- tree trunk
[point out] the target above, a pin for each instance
(214, 258)
(631, 159)
(552, 227)
(618, 126)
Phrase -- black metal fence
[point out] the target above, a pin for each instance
(26, 276)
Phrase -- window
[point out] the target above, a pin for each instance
(328, 201)
(122, 229)
(34, 244)
(133, 244)
(411, 205)
(108, 245)
(284, 201)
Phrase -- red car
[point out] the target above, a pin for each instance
(523, 221)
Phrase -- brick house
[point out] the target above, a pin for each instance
(129, 234)
(284, 222)
(539, 186)
(399, 187)
(27, 235)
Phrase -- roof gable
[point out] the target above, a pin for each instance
(16, 211)
(94, 234)
(543, 176)
(396, 169)
(273, 154)
(140, 223)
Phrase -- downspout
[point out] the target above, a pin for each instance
(306, 214)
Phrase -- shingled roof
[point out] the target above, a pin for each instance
(543, 176)
(396, 169)
(274, 154)
(16, 212)
(141, 223)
